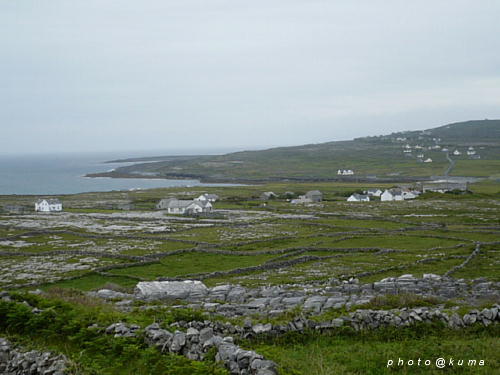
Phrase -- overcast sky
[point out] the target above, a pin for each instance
(95, 75)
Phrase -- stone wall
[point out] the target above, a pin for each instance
(15, 361)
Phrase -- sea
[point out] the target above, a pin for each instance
(54, 174)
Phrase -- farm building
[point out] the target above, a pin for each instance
(48, 205)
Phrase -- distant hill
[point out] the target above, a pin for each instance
(381, 157)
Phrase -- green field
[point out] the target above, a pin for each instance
(331, 240)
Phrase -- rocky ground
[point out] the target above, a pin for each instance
(254, 270)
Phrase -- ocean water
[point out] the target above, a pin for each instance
(63, 174)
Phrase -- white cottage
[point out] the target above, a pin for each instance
(208, 197)
(48, 205)
(409, 194)
(358, 198)
(392, 195)
(189, 207)
(373, 192)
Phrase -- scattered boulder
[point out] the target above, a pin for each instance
(189, 290)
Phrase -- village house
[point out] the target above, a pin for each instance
(428, 160)
(345, 172)
(409, 194)
(457, 153)
(188, 207)
(163, 203)
(358, 198)
(373, 192)
(268, 195)
(314, 195)
(48, 205)
(208, 197)
(442, 186)
(392, 195)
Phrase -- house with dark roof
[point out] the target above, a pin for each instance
(187, 207)
(314, 195)
(392, 195)
(375, 192)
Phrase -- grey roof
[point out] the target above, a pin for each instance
(396, 191)
(176, 203)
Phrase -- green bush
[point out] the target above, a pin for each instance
(63, 327)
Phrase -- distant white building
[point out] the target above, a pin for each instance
(410, 194)
(428, 160)
(406, 151)
(456, 152)
(471, 152)
(188, 207)
(373, 192)
(358, 198)
(48, 205)
(392, 195)
(345, 172)
(208, 197)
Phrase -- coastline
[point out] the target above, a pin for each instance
(208, 179)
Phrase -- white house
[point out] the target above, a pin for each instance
(456, 152)
(391, 195)
(409, 194)
(373, 192)
(358, 198)
(177, 206)
(471, 152)
(428, 160)
(406, 151)
(208, 197)
(48, 205)
(345, 172)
